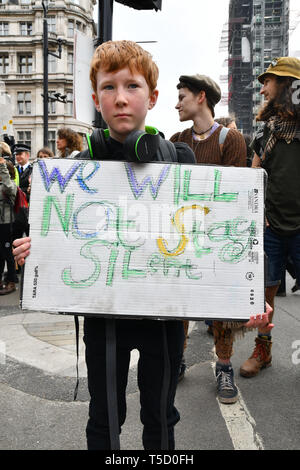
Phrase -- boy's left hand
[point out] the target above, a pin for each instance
(261, 321)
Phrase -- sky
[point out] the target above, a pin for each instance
(188, 38)
(294, 44)
(187, 35)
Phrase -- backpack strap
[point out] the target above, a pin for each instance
(111, 383)
(260, 140)
(165, 391)
(264, 140)
(77, 355)
(223, 135)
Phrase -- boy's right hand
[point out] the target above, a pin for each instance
(21, 249)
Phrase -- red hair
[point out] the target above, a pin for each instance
(112, 56)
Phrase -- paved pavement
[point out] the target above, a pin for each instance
(38, 375)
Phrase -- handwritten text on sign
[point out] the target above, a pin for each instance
(162, 240)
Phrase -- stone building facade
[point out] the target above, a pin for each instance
(22, 59)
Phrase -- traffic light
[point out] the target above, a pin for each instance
(142, 4)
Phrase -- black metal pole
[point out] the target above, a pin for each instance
(45, 78)
(105, 16)
(104, 33)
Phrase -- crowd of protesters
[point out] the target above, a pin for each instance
(130, 87)
(15, 174)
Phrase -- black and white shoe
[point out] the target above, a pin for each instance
(227, 391)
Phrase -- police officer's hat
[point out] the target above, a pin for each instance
(19, 148)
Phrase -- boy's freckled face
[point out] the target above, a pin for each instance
(123, 98)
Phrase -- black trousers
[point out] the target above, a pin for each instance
(6, 253)
(147, 337)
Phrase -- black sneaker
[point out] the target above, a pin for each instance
(182, 369)
(227, 392)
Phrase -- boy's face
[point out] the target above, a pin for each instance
(123, 98)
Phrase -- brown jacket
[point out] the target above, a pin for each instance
(232, 153)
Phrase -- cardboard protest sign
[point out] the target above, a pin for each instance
(145, 240)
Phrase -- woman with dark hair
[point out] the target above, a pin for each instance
(277, 150)
(68, 142)
(8, 191)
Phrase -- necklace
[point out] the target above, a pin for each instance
(204, 132)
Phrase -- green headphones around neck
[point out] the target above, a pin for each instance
(138, 146)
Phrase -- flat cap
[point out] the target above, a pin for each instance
(203, 82)
(283, 67)
(18, 148)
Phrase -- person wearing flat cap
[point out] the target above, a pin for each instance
(277, 150)
(22, 155)
(197, 98)
(212, 143)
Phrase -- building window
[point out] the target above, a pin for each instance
(52, 63)
(75, 25)
(4, 63)
(24, 137)
(26, 28)
(51, 104)
(70, 62)
(70, 103)
(70, 28)
(3, 28)
(52, 141)
(24, 102)
(51, 20)
(25, 63)
(79, 26)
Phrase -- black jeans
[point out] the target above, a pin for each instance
(6, 253)
(147, 337)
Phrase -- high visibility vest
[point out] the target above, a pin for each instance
(17, 178)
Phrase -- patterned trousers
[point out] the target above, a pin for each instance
(223, 339)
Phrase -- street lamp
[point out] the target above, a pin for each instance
(46, 53)
(57, 97)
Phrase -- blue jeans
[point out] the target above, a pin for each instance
(278, 249)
